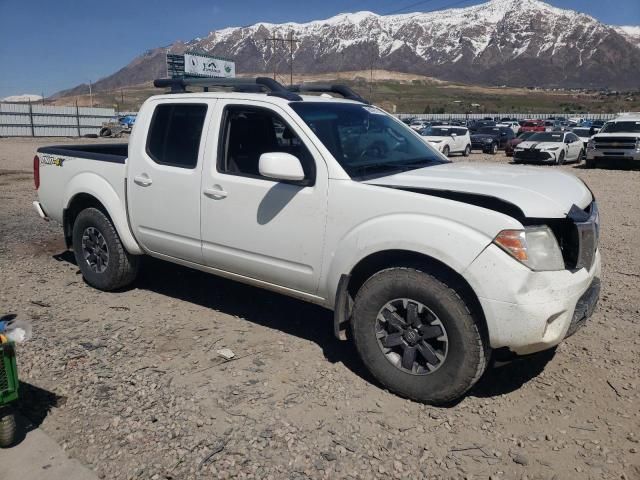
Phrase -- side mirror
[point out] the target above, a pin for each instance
(280, 166)
(454, 135)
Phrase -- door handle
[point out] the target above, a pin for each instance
(142, 180)
(215, 192)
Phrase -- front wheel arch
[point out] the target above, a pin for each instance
(376, 262)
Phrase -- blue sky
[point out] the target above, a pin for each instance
(48, 45)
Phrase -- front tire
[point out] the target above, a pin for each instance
(561, 158)
(445, 151)
(417, 337)
(467, 151)
(103, 261)
(7, 429)
(494, 149)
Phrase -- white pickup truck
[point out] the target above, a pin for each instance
(428, 265)
(617, 140)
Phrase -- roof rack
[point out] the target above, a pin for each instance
(253, 85)
(343, 90)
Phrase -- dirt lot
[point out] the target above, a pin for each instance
(130, 383)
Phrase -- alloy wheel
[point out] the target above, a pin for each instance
(95, 249)
(411, 336)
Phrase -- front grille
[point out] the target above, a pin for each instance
(4, 381)
(620, 143)
(532, 154)
(578, 236)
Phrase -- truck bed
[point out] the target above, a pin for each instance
(106, 152)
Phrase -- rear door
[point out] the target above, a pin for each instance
(255, 226)
(163, 178)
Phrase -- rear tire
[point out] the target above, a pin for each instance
(7, 430)
(462, 352)
(105, 132)
(103, 261)
(467, 151)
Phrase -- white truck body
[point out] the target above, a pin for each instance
(304, 240)
(618, 139)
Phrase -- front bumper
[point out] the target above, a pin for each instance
(529, 311)
(534, 156)
(613, 154)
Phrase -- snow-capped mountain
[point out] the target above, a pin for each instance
(512, 42)
(631, 33)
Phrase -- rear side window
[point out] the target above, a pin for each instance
(174, 134)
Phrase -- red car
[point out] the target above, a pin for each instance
(511, 144)
(533, 126)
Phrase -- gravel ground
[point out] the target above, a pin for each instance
(130, 383)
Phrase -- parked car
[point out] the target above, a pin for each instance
(430, 264)
(515, 126)
(511, 144)
(598, 124)
(475, 125)
(491, 139)
(449, 139)
(584, 134)
(550, 147)
(619, 139)
(418, 125)
(533, 126)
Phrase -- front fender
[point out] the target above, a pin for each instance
(451, 243)
(113, 201)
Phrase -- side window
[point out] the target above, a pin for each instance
(174, 134)
(461, 132)
(248, 132)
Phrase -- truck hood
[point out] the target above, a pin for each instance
(619, 134)
(538, 193)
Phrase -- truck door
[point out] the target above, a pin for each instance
(163, 179)
(255, 226)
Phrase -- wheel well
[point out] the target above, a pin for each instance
(78, 203)
(376, 262)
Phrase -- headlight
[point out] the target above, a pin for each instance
(591, 145)
(488, 140)
(435, 141)
(552, 149)
(637, 143)
(536, 247)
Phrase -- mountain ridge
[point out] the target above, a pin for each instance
(498, 42)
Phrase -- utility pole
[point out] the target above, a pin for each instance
(291, 40)
(122, 97)
(90, 94)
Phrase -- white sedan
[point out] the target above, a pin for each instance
(550, 147)
(449, 139)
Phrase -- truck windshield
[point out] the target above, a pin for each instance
(621, 127)
(365, 140)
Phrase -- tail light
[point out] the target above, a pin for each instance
(36, 172)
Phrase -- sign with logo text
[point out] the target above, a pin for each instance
(203, 66)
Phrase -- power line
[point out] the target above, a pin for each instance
(291, 40)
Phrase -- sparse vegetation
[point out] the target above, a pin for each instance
(410, 94)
